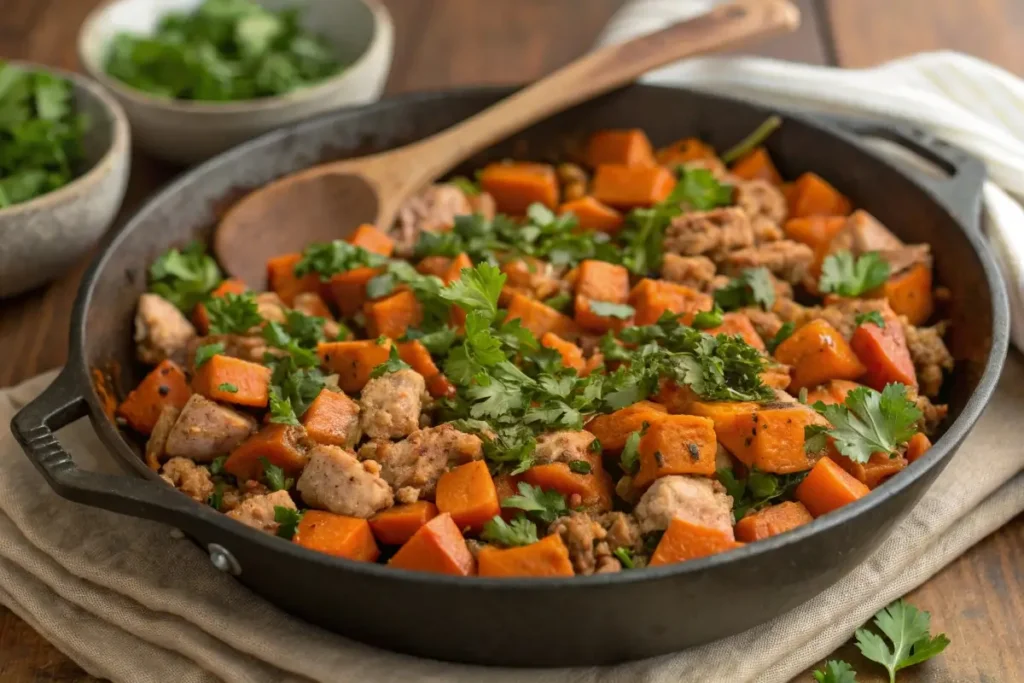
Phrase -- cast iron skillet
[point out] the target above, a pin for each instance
(545, 622)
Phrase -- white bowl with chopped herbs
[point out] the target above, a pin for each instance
(64, 158)
(197, 77)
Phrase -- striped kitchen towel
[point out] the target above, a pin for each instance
(965, 101)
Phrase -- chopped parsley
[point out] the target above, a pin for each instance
(274, 476)
(580, 467)
(217, 466)
(874, 317)
(216, 499)
(836, 671)
(608, 309)
(784, 333)
(287, 520)
(184, 277)
(228, 387)
(629, 460)
(520, 531)
(753, 287)
(394, 363)
(208, 351)
(706, 320)
(330, 258)
(843, 275)
(758, 490)
(560, 301)
(233, 313)
(909, 631)
(465, 185)
(545, 506)
(866, 422)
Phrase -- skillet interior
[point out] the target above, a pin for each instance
(615, 617)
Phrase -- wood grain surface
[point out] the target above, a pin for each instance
(978, 600)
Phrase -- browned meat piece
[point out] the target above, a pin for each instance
(785, 259)
(390, 405)
(270, 307)
(573, 180)
(417, 462)
(161, 331)
(932, 414)
(250, 348)
(930, 355)
(765, 230)
(697, 272)
(206, 429)
(483, 203)
(625, 490)
(709, 232)
(905, 257)
(191, 479)
(562, 446)
(258, 511)
(334, 480)
(765, 322)
(232, 497)
(158, 438)
(862, 233)
(696, 499)
(761, 199)
(432, 210)
(586, 540)
(623, 531)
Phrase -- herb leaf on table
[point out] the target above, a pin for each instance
(909, 631)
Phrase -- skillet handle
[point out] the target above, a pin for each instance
(63, 403)
(960, 191)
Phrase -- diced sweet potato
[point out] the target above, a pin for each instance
(593, 215)
(337, 535)
(828, 487)
(586, 318)
(817, 353)
(278, 443)
(877, 469)
(884, 353)
(372, 240)
(394, 315)
(910, 293)
(684, 151)
(651, 298)
(676, 444)
(572, 355)
(812, 195)
(629, 187)
(434, 265)
(627, 147)
(917, 446)
(540, 318)
(613, 429)
(419, 359)
(165, 385)
(546, 557)
(772, 521)
(685, 540)
(455, 268)
(674, 398)
(757, 165)
(594, 487)
(739, 324)
(817, 232)
(332, 418)
(467, 493)
(348, 289)
(353, 361)
(233, 380)
(438, 547)
(831, 392)
(398, 524)
(283, 281)
(516, 185)
(601, 281)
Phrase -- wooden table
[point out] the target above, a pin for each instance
(977, 600)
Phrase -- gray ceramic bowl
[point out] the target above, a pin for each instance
(43, 237)
(187, 132)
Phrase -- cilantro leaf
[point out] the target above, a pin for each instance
(274, 476)
(579, 467)
(874, 317)
(758, 490)
(293, 385)
(753, 287)
(394, 363)
(611, 310)
(625, 556)
(706, 320)
(217, 466)
(836, 671)
(908, 629)
(184, 277)
(477, 290)
(784, 333)
(206, 352)
(330, 258)
(288, 521)
(842, 275)
(630, 457)
(698, 189)
(520, 531)
(544, 505)
(559, 302)
(233, 313)
(228, 387)
(866, 422)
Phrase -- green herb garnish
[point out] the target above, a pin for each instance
(784, 333)
(874, 317)
(866, 422)
(184, 277)
(233, 313)
(206, 352)
(228, 387)
(545, 506)
(753, 287)
(842, 275)
(520, 531)
(908, 629)
(288, 521)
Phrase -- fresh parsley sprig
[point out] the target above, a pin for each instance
(836, 671)
(873, 317)
(545, 506)
(866, 422)
(520, 531)
(843, 275)
(758, 489)
(394, 363)
(287, 520)
(184, 277)
(909, 631)
(330, 258)
(233, 313)
(752, 287)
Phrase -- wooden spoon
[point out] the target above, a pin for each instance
(328, 201)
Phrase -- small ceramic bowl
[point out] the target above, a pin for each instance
(43, 237)
(186, 131)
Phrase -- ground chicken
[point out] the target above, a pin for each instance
(765, 230)
(157, 443)
(432, 210)
(191, 479)
(270, 308)
(696, 499)
(766, 323)
(932, 414)
(161, 331)
(863, 233)
(334, 480)
(709, 232)
(785, 259)
(759, 198)
(390, 405)
(258, 511)
(246, 347)
(903, 258)
(930, 356)
(232, 497)
(413, 466)
(622, 531)
(206, 429)
(696, 272)
(586, 540)
(483, 203)
(564, 446)
(573, 180)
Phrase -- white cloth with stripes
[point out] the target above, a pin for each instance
(965, 101)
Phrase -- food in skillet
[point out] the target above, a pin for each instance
(554, 370)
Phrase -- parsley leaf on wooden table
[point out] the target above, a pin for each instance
(40, 134)
(843, 275)
(866, 422)
(908, 629)
(836, 671)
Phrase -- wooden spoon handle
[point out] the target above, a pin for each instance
(596, 73)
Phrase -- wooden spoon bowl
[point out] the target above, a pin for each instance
(329, 201)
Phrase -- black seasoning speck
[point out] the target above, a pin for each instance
(659, 458)
(694, 451)
(747, 441)
(163, 390)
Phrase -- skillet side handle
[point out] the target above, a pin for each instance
(960, 192)
(61, 404)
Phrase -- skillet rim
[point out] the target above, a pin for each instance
(940, 452)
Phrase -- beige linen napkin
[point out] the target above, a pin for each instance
(132, 601)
